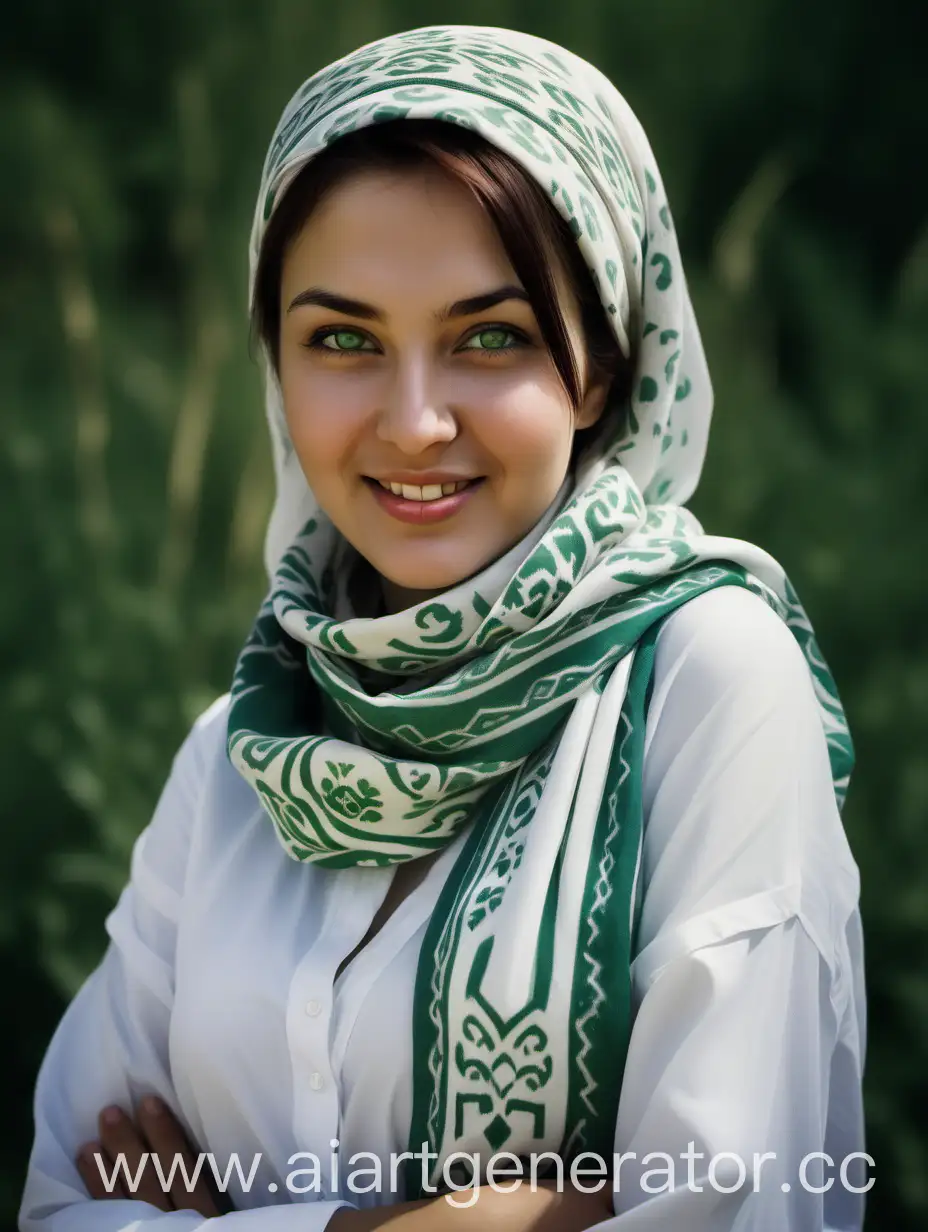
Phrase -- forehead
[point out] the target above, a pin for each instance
(400, 225)
(375, 204)
(394, 229)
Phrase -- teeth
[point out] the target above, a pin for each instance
(430, 492)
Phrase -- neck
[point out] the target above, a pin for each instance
(374, 595)
(398, 598)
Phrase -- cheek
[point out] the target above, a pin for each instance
(528, 430)
(324, 414)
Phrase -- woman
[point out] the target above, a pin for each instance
(518, 832)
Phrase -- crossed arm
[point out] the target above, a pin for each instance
(154, 1131)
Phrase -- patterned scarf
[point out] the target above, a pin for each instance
(512, 705)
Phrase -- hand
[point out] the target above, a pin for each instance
(519, 1209)
(156, 1131)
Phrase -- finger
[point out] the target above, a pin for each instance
(94, 1164)
(168, 1140)
(122, 1140)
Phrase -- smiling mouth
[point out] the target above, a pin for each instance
(430, 492)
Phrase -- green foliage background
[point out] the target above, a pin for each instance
(134, 470)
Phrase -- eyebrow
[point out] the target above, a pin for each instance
(357, 308)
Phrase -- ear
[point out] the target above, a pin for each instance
(594, 402)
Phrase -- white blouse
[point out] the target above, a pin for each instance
(216, 991)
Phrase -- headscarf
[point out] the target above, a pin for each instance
(513, 704)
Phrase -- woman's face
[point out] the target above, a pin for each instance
(409, 356)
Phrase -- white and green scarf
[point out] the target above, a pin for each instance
(514, 704)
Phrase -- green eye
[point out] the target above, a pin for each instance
(494, 339)
(345, 340)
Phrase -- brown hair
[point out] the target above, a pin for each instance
(531, 230)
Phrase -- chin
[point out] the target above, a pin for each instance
(436, 577)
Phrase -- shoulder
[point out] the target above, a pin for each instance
(205, 741)
(728, 637)
(195, 763)
(731, 685)
(210, 724)
(726, 660)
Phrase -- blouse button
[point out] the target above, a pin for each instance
(315, 1080)
(313, 1008)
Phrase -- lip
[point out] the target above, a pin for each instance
(421, 479)
(423, 513)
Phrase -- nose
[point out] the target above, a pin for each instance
(414, 414)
